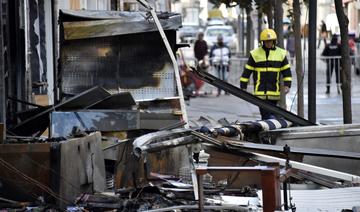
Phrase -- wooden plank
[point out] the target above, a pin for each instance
(271, 190)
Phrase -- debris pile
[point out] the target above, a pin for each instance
(115, 139)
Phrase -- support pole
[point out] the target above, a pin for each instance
(200, 191)
(286, 204)
(2, 78)
(312, 61)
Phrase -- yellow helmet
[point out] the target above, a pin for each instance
(268, 34)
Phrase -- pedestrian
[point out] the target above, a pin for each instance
(220, 58)
(290, 44)
(333, 49)
(200, 47)
(266, 63)
(201, 59)
(352, 48)
(323, 33)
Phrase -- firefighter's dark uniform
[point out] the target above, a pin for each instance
(266, 65)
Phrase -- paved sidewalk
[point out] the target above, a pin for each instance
(329, 107)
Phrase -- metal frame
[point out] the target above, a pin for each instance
(294, 150)
(2, 79)
(312, 61)
(310, 168)
(173, 59)
(6, 72)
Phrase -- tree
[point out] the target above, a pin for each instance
(278, 27)
(345, 75)
(298, 57)
(247, 5)
(249, 26)
(278, 22)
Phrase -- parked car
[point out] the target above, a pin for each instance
(188, 33)
(215, 22)
(211, 33)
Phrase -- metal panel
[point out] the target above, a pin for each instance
(156, 121)
(320, 152)
(70, 168)
(137, 63)
(62, 123)
(32, 160)
(85, 99)
(82, 100)
(310, 168)
(82, 167)
(339, 138)
(116, 101)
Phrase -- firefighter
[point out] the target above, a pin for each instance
(267, 63)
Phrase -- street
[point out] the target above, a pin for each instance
(329, 106)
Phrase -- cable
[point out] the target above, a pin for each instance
(33, 181)
(53, 171)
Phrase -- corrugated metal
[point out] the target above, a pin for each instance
(326, 199)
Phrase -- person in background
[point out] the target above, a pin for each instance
(290, 44)
(331, 50)
(352, 47)
(200, 47)
(323, 33)
(201, 59)
(220, 58)
(266, 63)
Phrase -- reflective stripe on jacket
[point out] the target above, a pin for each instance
(266, 72)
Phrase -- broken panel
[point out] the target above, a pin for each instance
(39, 122)
(116, 101)
(105, 121)
(68, 169)
(156, 121)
